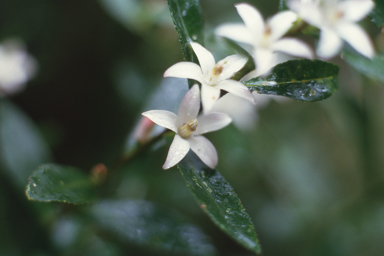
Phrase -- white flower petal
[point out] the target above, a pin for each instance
(264, 60)
(308, 11)
(212, 122)
(280, 23)
(204, 149)
(231, 65)
(185, 70)
(236, 32)
(252, 18)
(206, 59)
(209, 95)
(243, 112)
(329, 44)
(163, 118)
(179, 148)
(190, 105)
(355, 10)
(293, 46)
(357, 38)
(236, 88)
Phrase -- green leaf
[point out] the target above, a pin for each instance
(148, 225)
(136, 15)
(218, 199)
(371, 68)
(188, 19)
(283, 5)
(56, 183)
(377, 14)
(304, 80)
(22, 148)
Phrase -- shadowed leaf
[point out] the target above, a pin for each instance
(218, 199)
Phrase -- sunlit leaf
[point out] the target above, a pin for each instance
(56, 183)
(188, 19)
(218, 199)
(377, 14)
(304, 80)
(372, 68)
(152, 227)
(22, 148)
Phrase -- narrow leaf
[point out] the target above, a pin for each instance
(188, 19)
(283, 5)
(377, 14)
(146, 224)
(371, 68)
(55, 183)
(22, 148)
(304, 80)
(218, 199)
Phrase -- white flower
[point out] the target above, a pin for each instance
(188, 128)
(263, 38)
(337, 22)
(213, 77)
(16, 67)
(242, 112)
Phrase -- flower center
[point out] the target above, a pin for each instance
(266, 39)
(187, 128)
(215, 73)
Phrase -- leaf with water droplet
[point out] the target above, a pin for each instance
(188, 19)
(304, 80)
(148, 225)
(219, 201)
(56, 183)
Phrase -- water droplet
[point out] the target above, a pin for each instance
(194, 37)
(34, 184)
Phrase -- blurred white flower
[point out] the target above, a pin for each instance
(212, 76)
(337, 22)
(188, 128)
(245, 116)
(264, 39)
(242, 112)
(16, 67)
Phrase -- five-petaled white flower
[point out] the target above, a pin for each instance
(188, 128)
(263, 40)
(213, 77)
(336, 20)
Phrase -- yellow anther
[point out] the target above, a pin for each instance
(186, 129)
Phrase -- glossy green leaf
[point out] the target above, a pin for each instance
(304, 80)
(188, 19)
(56, 183)
(218, 199)
(147, 225)
(22, 148)
(371, 68)
(377, 14)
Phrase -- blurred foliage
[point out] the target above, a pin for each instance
(309, 174)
